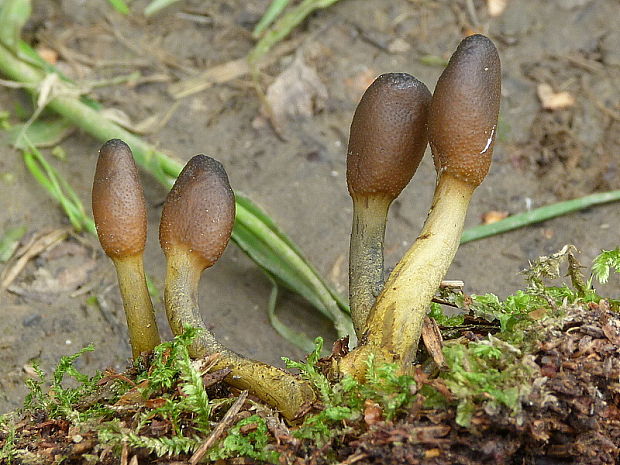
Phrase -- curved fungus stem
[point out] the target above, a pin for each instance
(387, 142)
(461, 128)
(195, 228)
(119, 210)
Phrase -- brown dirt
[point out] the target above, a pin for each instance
(542, 156)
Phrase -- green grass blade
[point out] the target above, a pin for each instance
(9, 240)
(40, 133)
(251, 207)
(13, 16)
(295, 266)
(120, 6)
(537, 215)
(285, 25)
(59, 189)
(296, 338)
(271, 13)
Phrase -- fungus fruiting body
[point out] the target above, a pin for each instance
(461, 129)
(119, 210)
(386, 144)
(195, 228)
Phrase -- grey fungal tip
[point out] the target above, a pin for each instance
(398, 80)
(114, 144)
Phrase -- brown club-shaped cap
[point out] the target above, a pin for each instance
(388, 136)
(462, 122)
(118, 202)
(199, 211)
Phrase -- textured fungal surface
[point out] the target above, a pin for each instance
(118, 202)
(462, 123)
(199, 212)
(388, 135)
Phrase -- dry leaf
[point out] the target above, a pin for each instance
(551, 100)
(372, 412)
(496, 7)
(493, 216)
(296, 93)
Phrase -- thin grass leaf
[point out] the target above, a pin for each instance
(9, 242)
(273, 11)
(58, 188)
(120, 6)
(537, 215)
(40, 133)
(285, 25)
(296, 338)
(13, 16)
(274, 265)
(157, 5)
(296, 266)
(255, 210)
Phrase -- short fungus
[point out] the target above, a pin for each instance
(119, 210)
(386, 143)
(196, 225)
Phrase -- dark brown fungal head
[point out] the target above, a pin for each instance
(462, 122)
(199, 212)
(388, 136)
(118, 202)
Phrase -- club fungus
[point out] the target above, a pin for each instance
(120, 217)
(462, 126)
(387, 142)
(195, 228)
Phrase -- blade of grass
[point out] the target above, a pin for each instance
(305, 276)
(271, 13)
(296, 338)
(120, 6)
(247, 204)
(537, 215)
(13, 15)
(40, 133)
(59, 189)
(9, 240)
(285, 25)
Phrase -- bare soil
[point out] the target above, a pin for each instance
(298, 175)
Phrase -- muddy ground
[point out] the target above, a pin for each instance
(298, 176)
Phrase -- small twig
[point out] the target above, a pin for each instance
(538, 215)
(354, 459)
(439, 300)
(219, 429)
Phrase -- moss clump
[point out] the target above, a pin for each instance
(534, 375)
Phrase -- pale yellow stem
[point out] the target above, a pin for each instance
(394, 325)
(143, 332)
(274, 386)
(366, 257)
